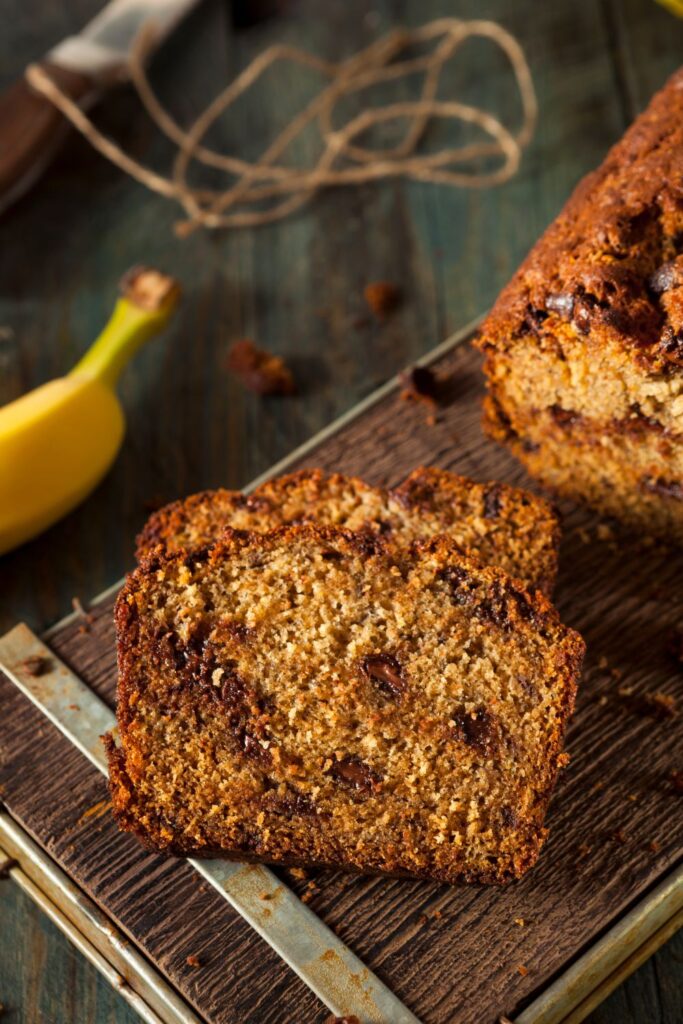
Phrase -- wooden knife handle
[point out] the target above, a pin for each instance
(32, 129)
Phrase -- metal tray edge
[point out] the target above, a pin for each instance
(89, 929)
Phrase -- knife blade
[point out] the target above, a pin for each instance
(84, 66)
(101, 49)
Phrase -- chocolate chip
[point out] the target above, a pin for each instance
(529, 688)
(561, 303)
(497, 607)
(565, 417)
(354, 772)
(236, 631)
(289, 804)
(508, 817)
(477, 729)
(660, 485)
(492, 502)
(367, 543)
(582, 316)
(384, 670)
(331, 556)
(415, 494)
(244, 709)
(664, 279)
(533, 320)
(460, 583)
(671, 343)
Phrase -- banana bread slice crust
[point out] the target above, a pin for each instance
(312, 696)
(498, 524)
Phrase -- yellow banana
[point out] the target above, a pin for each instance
(58, 441)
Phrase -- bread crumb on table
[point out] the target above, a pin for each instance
(258, 370)
(36, 665)
(382, 297)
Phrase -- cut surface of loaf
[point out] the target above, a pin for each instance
(498, 524)
(312, 696)
(584, 348)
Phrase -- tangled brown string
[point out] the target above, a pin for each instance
(291, 187)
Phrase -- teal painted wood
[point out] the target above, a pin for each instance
(296, 287)
(43, 979)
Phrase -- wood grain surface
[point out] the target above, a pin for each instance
(450, 954)
(296, 287)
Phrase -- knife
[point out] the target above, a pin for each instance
(84, 66)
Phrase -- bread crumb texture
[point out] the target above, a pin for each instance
(317, 697)
(498, 524)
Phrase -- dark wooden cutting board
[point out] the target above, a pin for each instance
(466, 955)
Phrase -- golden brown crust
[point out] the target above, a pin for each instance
(590, 330)
(499, 524)
(316, 696)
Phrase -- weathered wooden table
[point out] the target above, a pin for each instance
(297, 288)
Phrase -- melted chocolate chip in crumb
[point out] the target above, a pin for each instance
(492, 502)
(384, 670)
(460, 584)
(565, 417)
(660, 485)
(477, 729)
(508, 817)
(290, 804)
(245, 714)
(354, 772)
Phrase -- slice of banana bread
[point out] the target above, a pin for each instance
(498, 524)
(584, 348)
(314, 696)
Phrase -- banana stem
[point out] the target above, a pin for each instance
(148, 300)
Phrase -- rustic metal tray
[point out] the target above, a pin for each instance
(607, 891)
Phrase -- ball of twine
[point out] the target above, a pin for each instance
(342, 160)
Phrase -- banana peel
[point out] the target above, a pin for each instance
(59, 440)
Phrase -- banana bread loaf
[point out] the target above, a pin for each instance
(584, 348)
(498, 524)
(314, 696)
